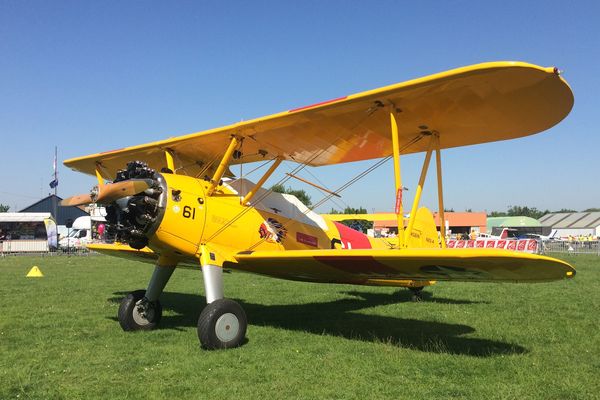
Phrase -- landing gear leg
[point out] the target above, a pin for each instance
(417, 293)
(222, 324)
(141, 310)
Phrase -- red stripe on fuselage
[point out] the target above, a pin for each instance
(352, 239)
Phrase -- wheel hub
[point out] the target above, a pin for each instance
(143, 312)
(227, 327)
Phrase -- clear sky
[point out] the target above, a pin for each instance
(90, 76)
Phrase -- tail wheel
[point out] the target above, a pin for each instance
(136, 313)
(417, 293)
(222, 325)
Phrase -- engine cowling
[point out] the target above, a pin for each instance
(133, 219)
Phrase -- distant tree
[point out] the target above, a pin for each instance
(565, 210)
(300, 194)
(357, 224)
(4, 208)
(448, 209)
(591, 210)
(518, 211)
(469, 210)
(532, 212)
(279, 188)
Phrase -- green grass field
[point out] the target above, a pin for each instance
(59, 338)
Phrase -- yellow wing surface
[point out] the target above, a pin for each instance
(124, 251)
(144, 255)
(376, 267)
(474, 104)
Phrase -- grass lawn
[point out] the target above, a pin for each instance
(59, 338)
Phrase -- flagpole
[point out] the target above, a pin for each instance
(55, 202)
(55, 170)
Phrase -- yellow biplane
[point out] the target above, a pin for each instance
(175, 202)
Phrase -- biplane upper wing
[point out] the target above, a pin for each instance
(378, 266)
(474, 104)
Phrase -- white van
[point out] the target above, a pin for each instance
(84, 230)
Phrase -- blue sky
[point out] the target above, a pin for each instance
(94, 76)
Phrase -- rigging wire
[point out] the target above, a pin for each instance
(267, 192)
(345, 186)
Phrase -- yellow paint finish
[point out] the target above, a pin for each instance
(400, 282)
(397, 180)
(184, 217)
(417, 199)
(214, 182)
(99, 176)
(362, 266)
(438, 165)
(169, 160)
(144, 255)
(475, 104)
(424, 232)
(261, 181)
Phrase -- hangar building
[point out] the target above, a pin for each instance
(52, 203)
(521, 223)
(574, 224)
(456, 222)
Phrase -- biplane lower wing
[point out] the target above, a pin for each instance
(146, 255)
(124, 251)
(378, 266)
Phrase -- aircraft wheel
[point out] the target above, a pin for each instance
(222, 325)
(417, 293)
(135, 315)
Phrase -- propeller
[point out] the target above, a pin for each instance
(110, 192)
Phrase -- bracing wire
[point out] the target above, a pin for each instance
(267, 192)
(345, 186)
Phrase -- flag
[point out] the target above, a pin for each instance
(54, 182)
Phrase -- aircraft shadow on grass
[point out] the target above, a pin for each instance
(338, 318)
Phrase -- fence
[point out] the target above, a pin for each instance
(571, 247)
(36, 247)
(40, 247)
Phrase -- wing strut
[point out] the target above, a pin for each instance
(99, 175)
(214, 182)
(169, 159)
(415, 205)
(398, 179)
(261, 181)
(438, 164)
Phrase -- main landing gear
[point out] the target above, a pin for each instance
(221, 325)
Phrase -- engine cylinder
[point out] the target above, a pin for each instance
(134, 218)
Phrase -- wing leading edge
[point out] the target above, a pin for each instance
(377, 266)
(469, 105)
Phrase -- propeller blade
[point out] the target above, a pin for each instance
(77, 200)
(114, 191)
(110, 192)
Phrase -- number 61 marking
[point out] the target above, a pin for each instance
(189, 212)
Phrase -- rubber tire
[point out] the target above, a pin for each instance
(416, 294)
(208, 320)
(126, 313)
